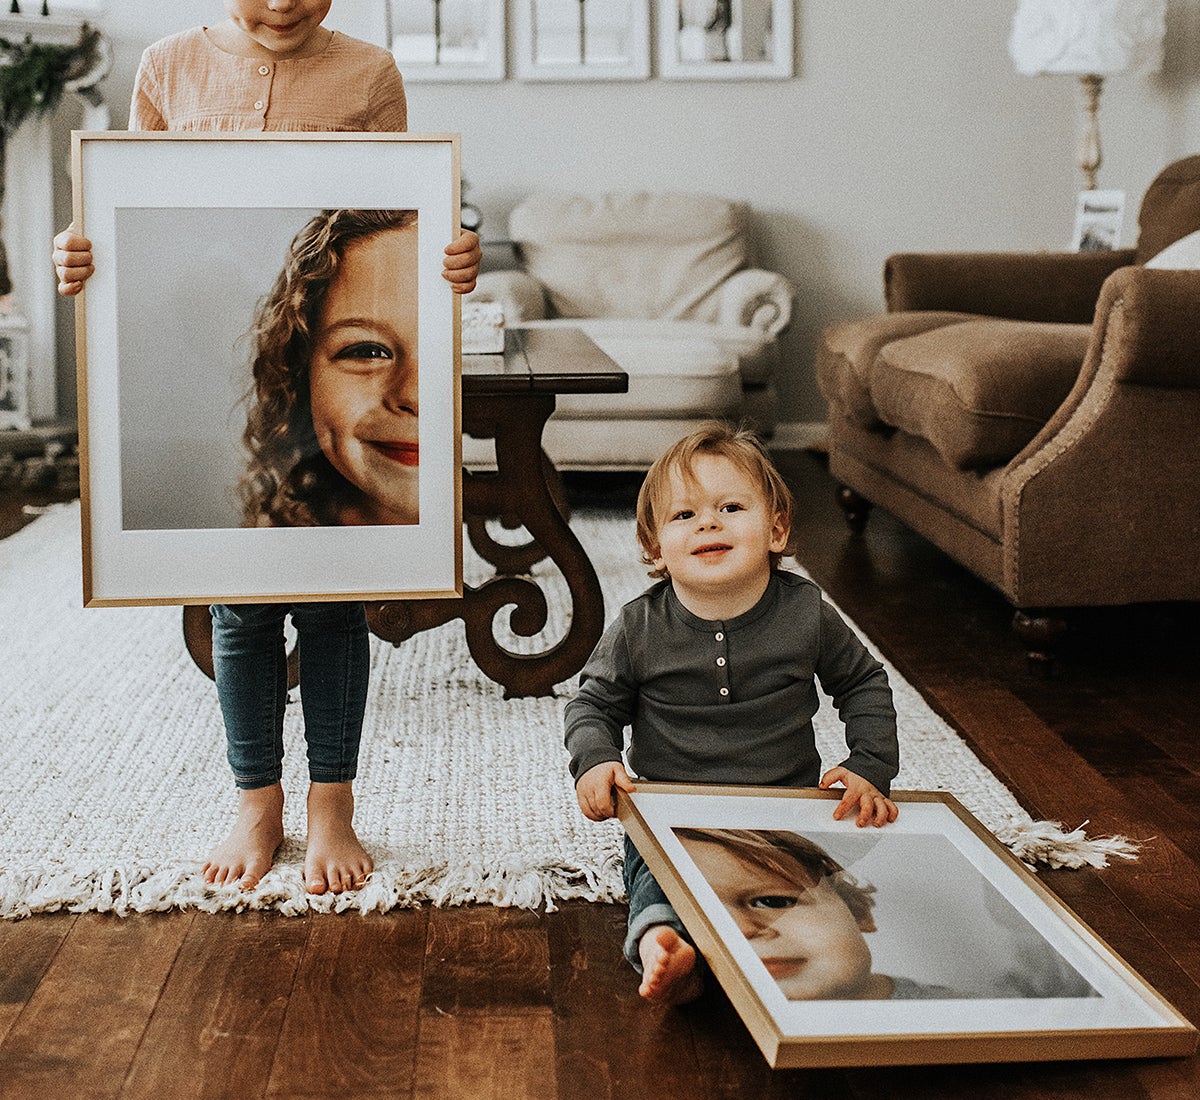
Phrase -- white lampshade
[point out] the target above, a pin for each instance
(1095, 37)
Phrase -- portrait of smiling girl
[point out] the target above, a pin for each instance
(333, 419)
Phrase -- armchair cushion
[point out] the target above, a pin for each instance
(980, 390)
(638, 255)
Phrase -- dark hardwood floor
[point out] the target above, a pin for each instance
(481, 1002)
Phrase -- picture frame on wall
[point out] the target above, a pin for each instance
(447, 40)
(1099, 216)
(269, 367)
(923, 942)
(582, 40)
(726, 39)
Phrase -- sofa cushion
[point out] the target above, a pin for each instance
(848, 349)
(980, 390)
(630, 254)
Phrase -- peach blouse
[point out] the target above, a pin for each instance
(184, 82)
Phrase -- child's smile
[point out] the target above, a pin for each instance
(716, 537)
(364, 382)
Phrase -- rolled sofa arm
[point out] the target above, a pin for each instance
(519, 294)
(1146, 321)
(752, 298)
(1024, 286)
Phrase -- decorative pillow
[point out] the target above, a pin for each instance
(980, 390)
(1184, 254)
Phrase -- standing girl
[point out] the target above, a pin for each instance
(272, 65)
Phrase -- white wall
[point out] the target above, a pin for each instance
(906, 127)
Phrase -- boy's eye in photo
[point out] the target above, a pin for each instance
(685, 513)
(773, 901)
(732, 506)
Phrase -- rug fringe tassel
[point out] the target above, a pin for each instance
(137, 889)
(1050, 843)
(126, 890)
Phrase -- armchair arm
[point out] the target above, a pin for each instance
(519, 293)
(761, 300)
(1155, 341)
(1027, 286)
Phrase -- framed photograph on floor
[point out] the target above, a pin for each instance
(923, 942)
(254, 425)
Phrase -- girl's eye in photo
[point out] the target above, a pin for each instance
(773, 901)
(684, 513)
(732, 506)
(365, 349)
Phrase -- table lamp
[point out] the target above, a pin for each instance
(1090, 39)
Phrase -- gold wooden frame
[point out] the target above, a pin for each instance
(1127, 1019)
(226, 180)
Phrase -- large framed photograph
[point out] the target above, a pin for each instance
(254, 426)
(922, 942)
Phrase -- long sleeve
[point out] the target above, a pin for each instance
(596, 718)
(858, 685)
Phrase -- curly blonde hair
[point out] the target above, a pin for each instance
(288, 481)
(741, 447)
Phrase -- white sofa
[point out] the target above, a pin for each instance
(666, 284)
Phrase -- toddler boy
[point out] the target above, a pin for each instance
(714, 669)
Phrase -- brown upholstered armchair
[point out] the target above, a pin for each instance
(1035, 416)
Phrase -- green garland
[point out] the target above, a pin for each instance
(33, 75)
(32, 80)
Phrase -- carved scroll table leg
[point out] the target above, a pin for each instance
(519, 488)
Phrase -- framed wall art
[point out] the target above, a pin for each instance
(254, 426)
(725, 39)
(583, 39)
(447, 40)
(923, 942)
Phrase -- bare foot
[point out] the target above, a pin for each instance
(670, 976)
(335, 860)
(249, 850)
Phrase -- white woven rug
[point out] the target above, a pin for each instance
(114, 784)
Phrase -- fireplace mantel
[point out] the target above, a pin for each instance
(50, 30)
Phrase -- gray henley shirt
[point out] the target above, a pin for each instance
(731, 702)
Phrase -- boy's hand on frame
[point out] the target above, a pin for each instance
(595, 790)
(463, 255)
(861, 797)
(72, 261)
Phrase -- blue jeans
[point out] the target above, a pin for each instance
(648, 905)
(250, 665)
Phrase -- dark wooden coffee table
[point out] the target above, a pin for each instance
(507, 398)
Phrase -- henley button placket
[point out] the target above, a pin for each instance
(722, 664)
(260, 104)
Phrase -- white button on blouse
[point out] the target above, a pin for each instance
(720, 662)
(264, 70)
(258, 104)
(719, 636)
(724, 691)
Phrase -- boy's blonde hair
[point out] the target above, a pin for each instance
(741, 447)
